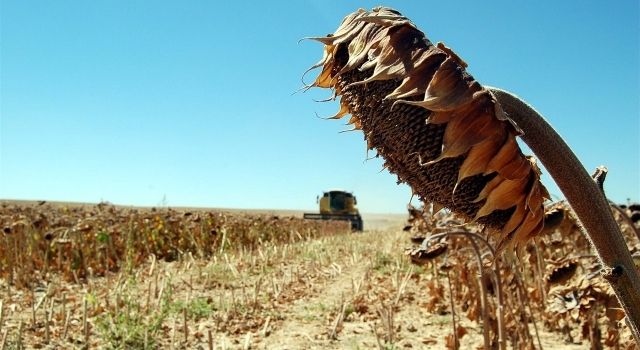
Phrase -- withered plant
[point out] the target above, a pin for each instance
(78, 242)
(454, 141)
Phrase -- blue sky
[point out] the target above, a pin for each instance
(190, 103)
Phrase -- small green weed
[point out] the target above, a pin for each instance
(131, 327)
(197, 308)
(382, 261)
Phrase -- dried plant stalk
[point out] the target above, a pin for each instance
(436, 127)
(586, 199)
(453, 141)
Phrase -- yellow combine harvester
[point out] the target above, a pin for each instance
(338, 205)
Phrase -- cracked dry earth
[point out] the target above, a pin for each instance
(354, 291)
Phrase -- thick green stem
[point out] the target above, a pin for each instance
(586, 199)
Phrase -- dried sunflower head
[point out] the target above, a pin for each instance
(417, 239)
(553, 217)
(436, 127)
(561, 272)
(580, 296)
(422, 255)
(415, 214)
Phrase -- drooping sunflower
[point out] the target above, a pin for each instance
(436, 127)
(559, 272)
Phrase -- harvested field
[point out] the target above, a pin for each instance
(323, 288)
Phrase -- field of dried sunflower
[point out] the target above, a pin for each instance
(553, 284)
(83, 241)
(270, 282)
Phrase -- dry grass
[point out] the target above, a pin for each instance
(351, 291)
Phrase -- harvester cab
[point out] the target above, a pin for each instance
(338, 205)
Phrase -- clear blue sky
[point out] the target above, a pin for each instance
(135, 101)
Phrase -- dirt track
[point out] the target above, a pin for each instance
(310, 320)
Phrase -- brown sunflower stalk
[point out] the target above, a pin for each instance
(454, 141)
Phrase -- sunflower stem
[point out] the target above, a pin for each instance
(502, 331)
(587, 200)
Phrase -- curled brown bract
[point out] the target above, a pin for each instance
(436, 127)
